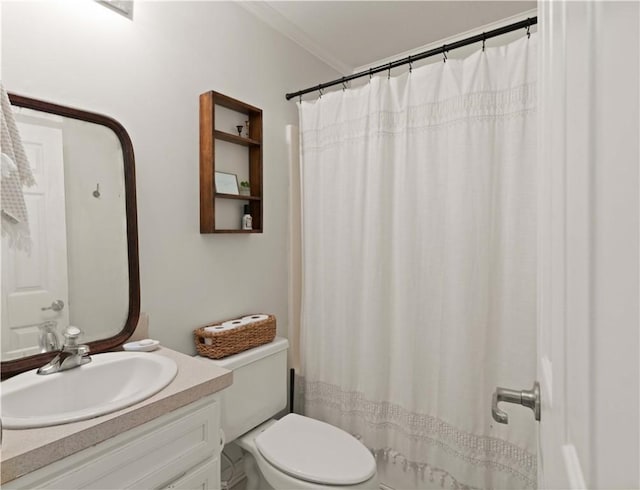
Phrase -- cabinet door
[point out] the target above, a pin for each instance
(203, 477)
(149, 456)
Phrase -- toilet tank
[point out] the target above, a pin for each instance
(259, 389)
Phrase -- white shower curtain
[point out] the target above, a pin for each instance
(419, 266)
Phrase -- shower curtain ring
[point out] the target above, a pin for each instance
(410, 66)
(389, 72)
(344, 85)
(528, 28)
(320, 90)
(483, 40)
(444, 53)
(370, 73)
(300, 98)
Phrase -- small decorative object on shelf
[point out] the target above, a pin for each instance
(246, 218)
(239, 128)
(246, 125)
(245, 188)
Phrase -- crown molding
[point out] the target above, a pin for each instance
(270, 16)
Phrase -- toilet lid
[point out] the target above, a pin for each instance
(315, 451)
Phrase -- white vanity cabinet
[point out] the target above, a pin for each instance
(179, 450)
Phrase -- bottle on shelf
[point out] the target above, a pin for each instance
(246, 219)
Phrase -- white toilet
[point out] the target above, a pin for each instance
(294, 452)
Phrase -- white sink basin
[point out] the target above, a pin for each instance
(110, 382)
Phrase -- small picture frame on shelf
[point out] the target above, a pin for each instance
(226, 183)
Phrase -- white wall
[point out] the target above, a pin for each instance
(614, 332)
(148, 75)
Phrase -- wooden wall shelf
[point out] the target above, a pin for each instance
(232, 138)
(219, 195)
(208, 137)
(237, 231)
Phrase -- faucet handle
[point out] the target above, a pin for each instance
(71, 335)
(72, 332)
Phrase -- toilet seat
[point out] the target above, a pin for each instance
(314, 451)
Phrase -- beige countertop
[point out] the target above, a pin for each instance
(26, 450)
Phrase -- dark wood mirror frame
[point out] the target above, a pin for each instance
(10, 368)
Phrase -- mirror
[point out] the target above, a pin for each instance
(82, 267)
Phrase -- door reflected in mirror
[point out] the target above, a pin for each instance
(77, 271)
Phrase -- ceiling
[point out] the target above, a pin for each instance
(351, 34)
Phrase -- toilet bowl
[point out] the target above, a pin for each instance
(298, 452)
(295, 452)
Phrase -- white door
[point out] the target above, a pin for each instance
(588, 288)
(31, 282)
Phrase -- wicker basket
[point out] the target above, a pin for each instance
(228, 342)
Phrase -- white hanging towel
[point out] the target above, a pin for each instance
(16, 174)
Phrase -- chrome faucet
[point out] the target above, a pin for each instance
(70, 356)
(48, 339)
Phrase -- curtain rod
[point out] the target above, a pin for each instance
(527, 23)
